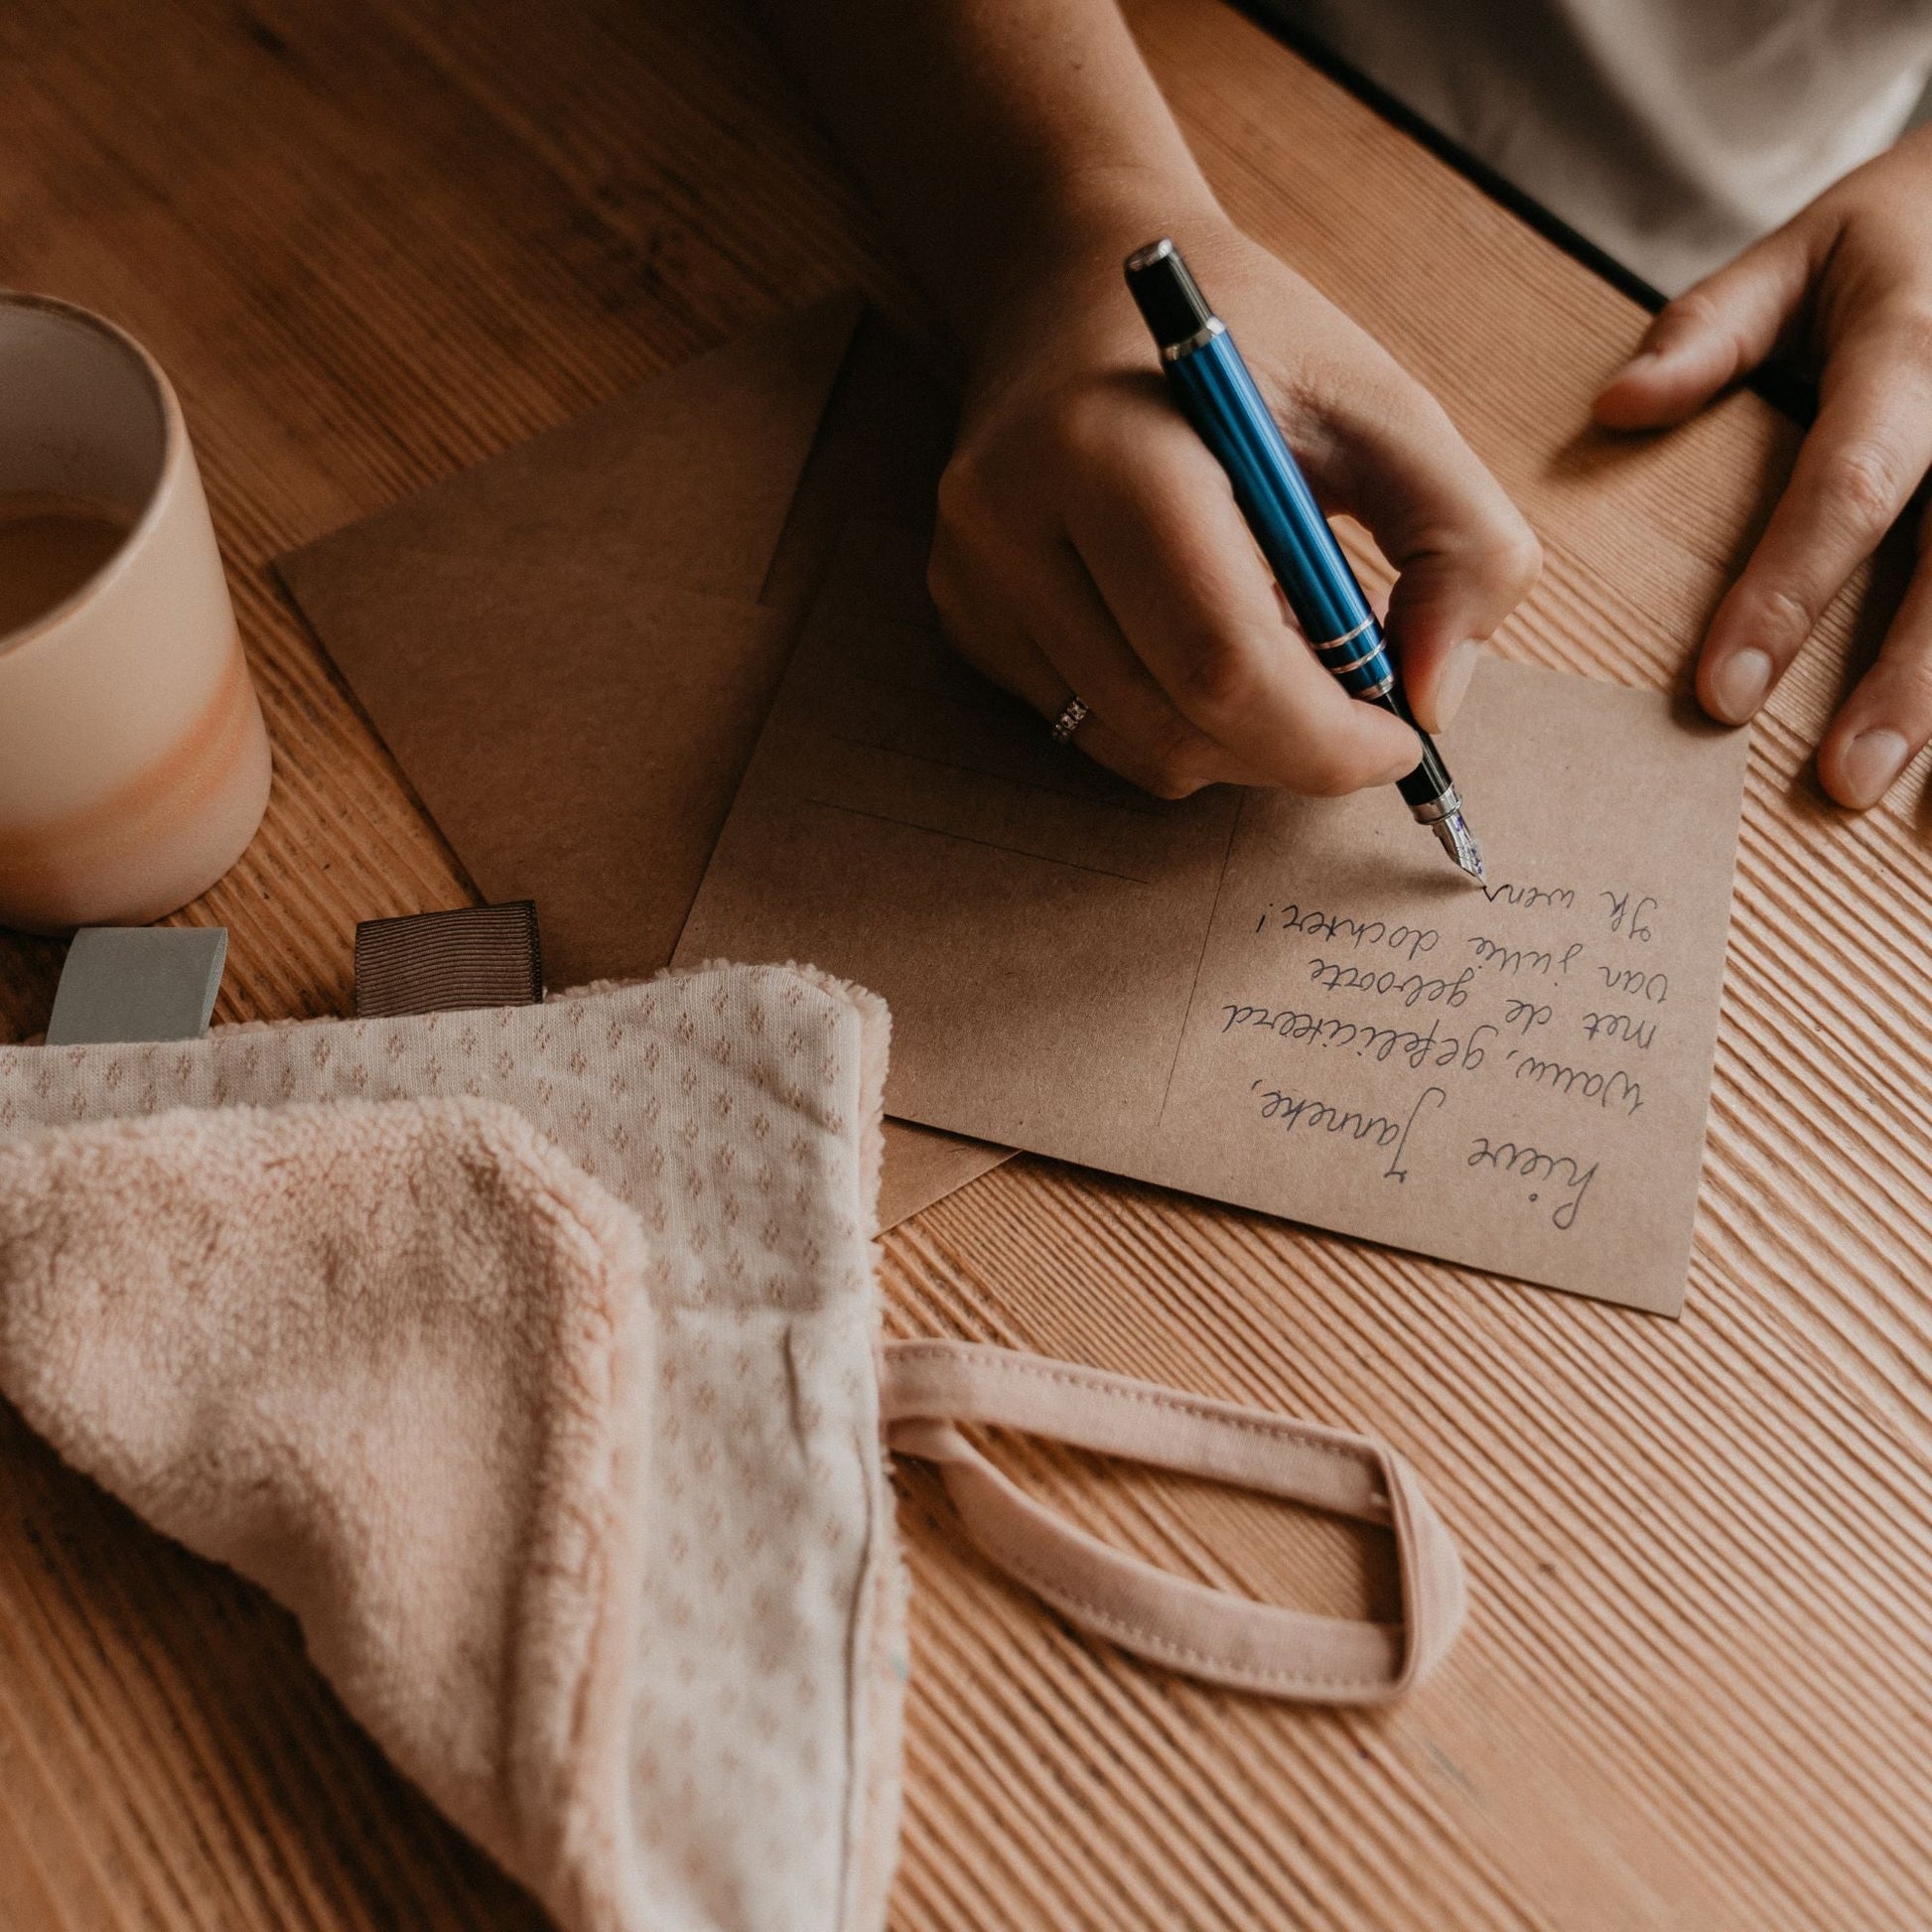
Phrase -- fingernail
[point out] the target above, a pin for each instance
(1738, 684)
(1453, 686)
(1869, 763)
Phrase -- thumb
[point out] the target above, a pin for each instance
(1712, 334)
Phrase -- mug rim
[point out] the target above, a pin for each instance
(174, 442)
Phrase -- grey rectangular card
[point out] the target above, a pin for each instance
(143, 982)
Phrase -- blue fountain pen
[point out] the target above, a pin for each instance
(1220, 400)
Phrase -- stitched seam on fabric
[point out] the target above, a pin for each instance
(1109, 1621)
(1273, 1427)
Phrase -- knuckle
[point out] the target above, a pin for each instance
(968, 494)
(940, 588)
(1215, 681)
(1174, 762)
(1696, 316)
(1865, 484)
(1694, 309)
(1785, 612)
(1517, 558)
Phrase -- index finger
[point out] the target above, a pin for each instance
(1165, 545)
(1866, 454)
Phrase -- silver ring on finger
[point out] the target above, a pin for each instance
(1074, 715)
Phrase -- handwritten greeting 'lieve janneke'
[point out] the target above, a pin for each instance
(1527, 1059)
(1542, 1002)
(1292, 1005)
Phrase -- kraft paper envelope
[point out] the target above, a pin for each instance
(570, 649)
(1297, 1006)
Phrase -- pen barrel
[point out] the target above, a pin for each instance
(1220, 400)
(1218, 395)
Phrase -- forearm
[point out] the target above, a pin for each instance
(992, 133)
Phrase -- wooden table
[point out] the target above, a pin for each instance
(376, 241)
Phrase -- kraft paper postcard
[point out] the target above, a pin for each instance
(1291, 1004)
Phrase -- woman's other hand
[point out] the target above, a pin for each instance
(1847, 284)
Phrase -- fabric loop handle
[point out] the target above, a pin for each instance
(927, 1387)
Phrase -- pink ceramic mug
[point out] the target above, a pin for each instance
(134, 768)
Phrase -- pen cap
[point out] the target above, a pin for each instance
(1167, 295)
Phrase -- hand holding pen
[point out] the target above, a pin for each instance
(1089, 545)
(1217, 394)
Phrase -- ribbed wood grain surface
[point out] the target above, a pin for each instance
(374, 241)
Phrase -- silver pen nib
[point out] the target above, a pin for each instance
(1461, 845)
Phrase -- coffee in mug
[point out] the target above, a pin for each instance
(134, 768)
(49, 549)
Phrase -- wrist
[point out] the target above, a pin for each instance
(1057, 256)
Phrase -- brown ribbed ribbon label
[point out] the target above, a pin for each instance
(445, 962)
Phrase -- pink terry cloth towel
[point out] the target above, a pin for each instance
(386, 1361)
(532, 1358)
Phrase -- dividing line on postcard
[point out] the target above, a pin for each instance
(966, 838)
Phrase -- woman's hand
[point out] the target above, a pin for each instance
(1848, 283)
(1088, 543)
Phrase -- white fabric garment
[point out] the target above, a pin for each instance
(1671, 133)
